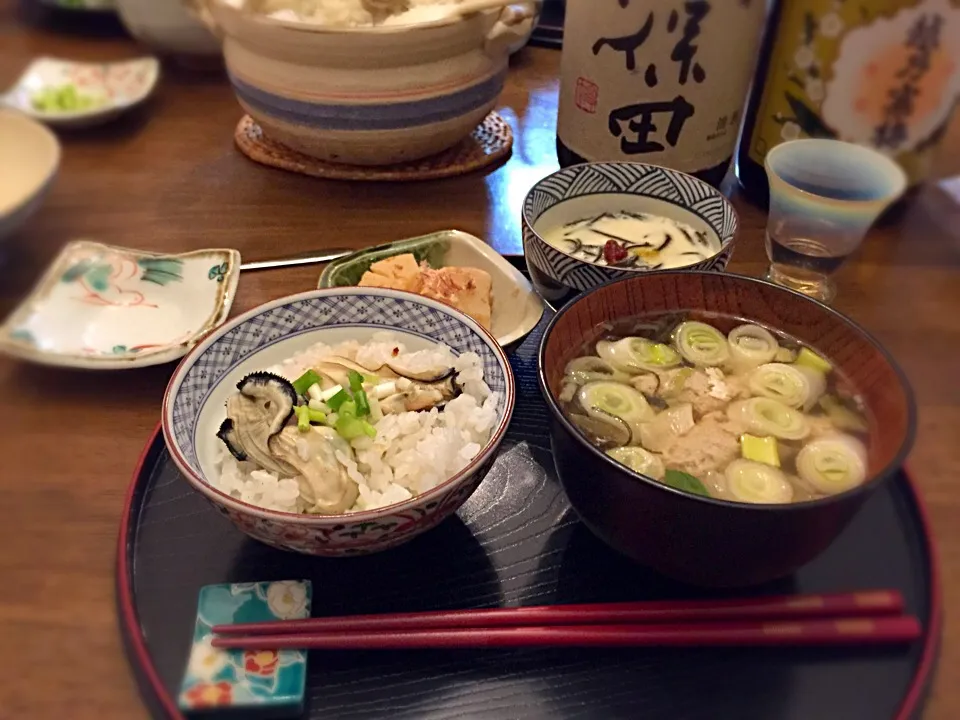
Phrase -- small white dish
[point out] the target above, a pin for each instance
(516, 307)
(107, 308)
(112, 88)
(29, 159)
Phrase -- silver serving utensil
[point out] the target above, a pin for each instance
(304, 259)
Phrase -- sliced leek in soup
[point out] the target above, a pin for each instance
(739, 411)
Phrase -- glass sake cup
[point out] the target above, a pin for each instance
(824, 197)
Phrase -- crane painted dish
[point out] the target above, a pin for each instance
(108, 308)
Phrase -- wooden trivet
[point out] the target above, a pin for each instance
(489, 143)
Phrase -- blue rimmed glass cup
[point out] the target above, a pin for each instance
(824, 197)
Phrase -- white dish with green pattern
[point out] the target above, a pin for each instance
(108, 308)
(516, 307)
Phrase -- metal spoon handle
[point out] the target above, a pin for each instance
(306, 259)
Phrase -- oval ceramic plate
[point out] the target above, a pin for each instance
(107, 308)
(516, 307)
(90, 93)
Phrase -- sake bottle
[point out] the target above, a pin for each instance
(881, 73)
(656, 81)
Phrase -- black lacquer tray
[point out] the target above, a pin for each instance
(516, 542)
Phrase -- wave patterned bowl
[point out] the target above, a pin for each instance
(194, 400)
(594, 188)
(366, 96)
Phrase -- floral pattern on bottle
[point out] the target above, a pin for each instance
(884, 75)
(895, 80)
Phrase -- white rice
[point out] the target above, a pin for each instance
(412, 452)
(343, 13)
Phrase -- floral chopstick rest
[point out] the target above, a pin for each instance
(255, 683)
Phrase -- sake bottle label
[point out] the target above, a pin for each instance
(658, 81)
(884, 74)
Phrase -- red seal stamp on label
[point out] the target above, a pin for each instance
(587, 95)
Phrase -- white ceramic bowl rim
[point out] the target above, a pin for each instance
(308, 27)
(53, 146)
(725, 240)
(318, 520)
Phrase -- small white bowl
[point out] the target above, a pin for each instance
(516, 307)
(107, 308)
(117, 86)
(29, 159)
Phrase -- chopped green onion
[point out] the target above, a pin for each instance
(376, 414)
(330, 392)
(350, 428)
(755, 482)
(674, 384)
(760, 449)
(338, 400)
(701, 344)
(348, 408)
(359, 395)
(363, 403)
(303, 418)
(841, 416)
(812, 360)
(356, 380)
(306, 381)
(307, 415)
(833, 463)
(319, 406)
(384, 390)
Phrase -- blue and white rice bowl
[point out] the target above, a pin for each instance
(594, 188)
(272, 334)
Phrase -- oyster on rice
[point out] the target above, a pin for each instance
(354, 427)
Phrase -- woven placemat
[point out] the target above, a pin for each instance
(488, 144)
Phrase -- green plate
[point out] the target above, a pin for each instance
(516, 307)
(348, 271)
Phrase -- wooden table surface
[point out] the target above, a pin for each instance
(169, 179)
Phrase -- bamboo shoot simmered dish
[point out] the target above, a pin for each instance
(748, 415)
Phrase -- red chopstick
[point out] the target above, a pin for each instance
(796, 607)
(858, 631)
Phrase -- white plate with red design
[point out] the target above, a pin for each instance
(107, 308)
(64, 93)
